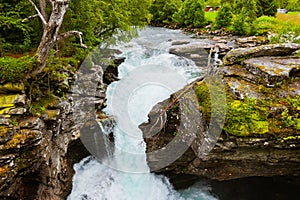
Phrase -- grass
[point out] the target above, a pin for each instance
(291, 17)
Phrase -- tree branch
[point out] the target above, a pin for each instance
(32, 16)
(69, 33)
(38, 11)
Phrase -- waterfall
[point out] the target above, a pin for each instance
(125, 175)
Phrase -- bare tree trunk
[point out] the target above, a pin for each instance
(49, 38)
(43, 9)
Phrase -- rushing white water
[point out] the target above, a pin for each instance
(124, 176)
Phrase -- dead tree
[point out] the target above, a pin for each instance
(51, 26)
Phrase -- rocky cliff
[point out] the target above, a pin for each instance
(39, 140)
(261, 134)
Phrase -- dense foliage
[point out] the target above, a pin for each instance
(162, 10)
(224, 16)
(266, 7)
(191, 14)
(17, 35)
(97, 19)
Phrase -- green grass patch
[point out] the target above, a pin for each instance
(291, 17)
(282, 30)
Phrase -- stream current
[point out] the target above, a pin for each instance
(124, 175)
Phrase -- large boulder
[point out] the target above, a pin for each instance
(240, 54)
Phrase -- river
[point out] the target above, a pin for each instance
(148, 75)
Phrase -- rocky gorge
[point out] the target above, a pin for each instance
(38, 152)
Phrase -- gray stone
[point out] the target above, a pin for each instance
(240, 54)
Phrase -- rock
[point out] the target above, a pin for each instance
(12, 88)
(33, 123)
(240, 54)
(42, 148)
(11, 100)
(272, 70)
(180, 42)
(260, 83)
(17, 111)
(4, 121)
(51, 115)
(197, 52)
(251, 41)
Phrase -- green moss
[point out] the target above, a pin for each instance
(292, 138)
(39, 107)
(8, 100)
(253, 116)
(3, 130)
(19, 138)
(3, 170)
(246, 117)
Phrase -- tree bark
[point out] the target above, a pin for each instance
(50, 34)
(43, 9)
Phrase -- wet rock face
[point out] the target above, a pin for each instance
(263, 143)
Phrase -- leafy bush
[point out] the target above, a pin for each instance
(265, 24)
(191, 14)
(224, 16)
(163, 10)
(240, 25)
(15, 69)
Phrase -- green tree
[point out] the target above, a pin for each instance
(191, 14)
(224, 16)
(37, 23)
(163, 10)
(18, 35)
(245, 14)
(293, 5)
(213, 3)
(267, 7)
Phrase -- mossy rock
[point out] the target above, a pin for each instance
(252, 116)
(21, 138)
(12, 88)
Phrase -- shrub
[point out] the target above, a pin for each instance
(224, 16)
(191, 14)
(240, 25)
(265, 24)
(15, 69)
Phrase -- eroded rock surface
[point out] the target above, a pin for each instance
(261, 135)
(37, 151)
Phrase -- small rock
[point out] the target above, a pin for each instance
(17, 111)
(33, 123)
(4, 121)
(51, 115)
